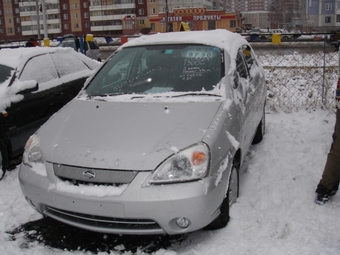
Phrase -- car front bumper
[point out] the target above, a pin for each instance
(138, 210)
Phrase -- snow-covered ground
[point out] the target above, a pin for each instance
(275, 213)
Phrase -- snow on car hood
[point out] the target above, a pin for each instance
(123, 135)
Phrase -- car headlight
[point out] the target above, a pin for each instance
(189, 164)
(32, 154)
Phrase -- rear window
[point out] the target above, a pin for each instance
(159, 68)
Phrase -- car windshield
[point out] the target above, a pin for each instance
(5, 73)
(159, 68)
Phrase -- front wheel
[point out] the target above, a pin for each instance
(232, 193)
(3, 159)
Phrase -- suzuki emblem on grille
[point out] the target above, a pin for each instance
(89, 175)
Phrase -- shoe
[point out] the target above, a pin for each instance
(321, 199)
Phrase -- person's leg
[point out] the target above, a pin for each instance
(329, 182)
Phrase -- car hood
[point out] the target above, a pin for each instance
(123, 135)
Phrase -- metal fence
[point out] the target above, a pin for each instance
(301, 72)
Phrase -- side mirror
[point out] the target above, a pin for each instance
(29, 90)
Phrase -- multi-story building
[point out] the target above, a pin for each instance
(323, 13)
(22, 19)
(10, 22)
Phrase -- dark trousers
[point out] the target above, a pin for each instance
(331, 174)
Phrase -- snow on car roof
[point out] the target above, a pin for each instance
(12, 57)
(221, 38)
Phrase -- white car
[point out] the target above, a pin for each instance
(155, 141)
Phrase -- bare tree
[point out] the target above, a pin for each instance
(285, 14)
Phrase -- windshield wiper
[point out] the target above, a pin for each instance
(197, 94)
(105, 95)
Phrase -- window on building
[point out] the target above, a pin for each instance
(85, 5)
(17, 20)
(19, 29)
(152, 1)
(86, 25)
(0, 12)
(141, 22)
(152, 10)
(0, 21)
(9, 21)
(232, 23)
(9, 30)
(328, 19)
(338, 5)
(140, 1)
(65, 16)
(64, 6)
(75, 15)
(337, 18)
(153, 26)
(328, 7)
(86, 15)
(8, 11)
(1, 31)
(76, 25)
(17, 10)
(75, 6)
(141, 11)
(66, 26)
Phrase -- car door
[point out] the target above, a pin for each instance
(24, 117)
(247, 81)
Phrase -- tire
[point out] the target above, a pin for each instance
(232, 193)
(3, 159)
(260, 131)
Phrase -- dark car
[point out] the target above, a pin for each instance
(34, 84)
(334, 38)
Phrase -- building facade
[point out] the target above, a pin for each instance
(323, 13)
(22, 19)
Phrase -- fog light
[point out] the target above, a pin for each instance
(182, 222)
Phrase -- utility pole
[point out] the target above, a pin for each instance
(38, 18)
(42, 2)
(166, 16)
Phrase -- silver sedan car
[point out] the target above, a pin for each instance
(155, 141)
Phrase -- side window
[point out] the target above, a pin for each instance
(67, 64)
(33, 69)
(249, 57)
(241, 68)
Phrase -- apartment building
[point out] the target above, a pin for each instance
(323, 13)
(22, 19)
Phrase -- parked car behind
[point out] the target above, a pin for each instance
(34, 84)
(334, 38)
(155, 142)
(91, 48)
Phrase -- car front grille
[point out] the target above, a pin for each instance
(82, 175)
(104, 224)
